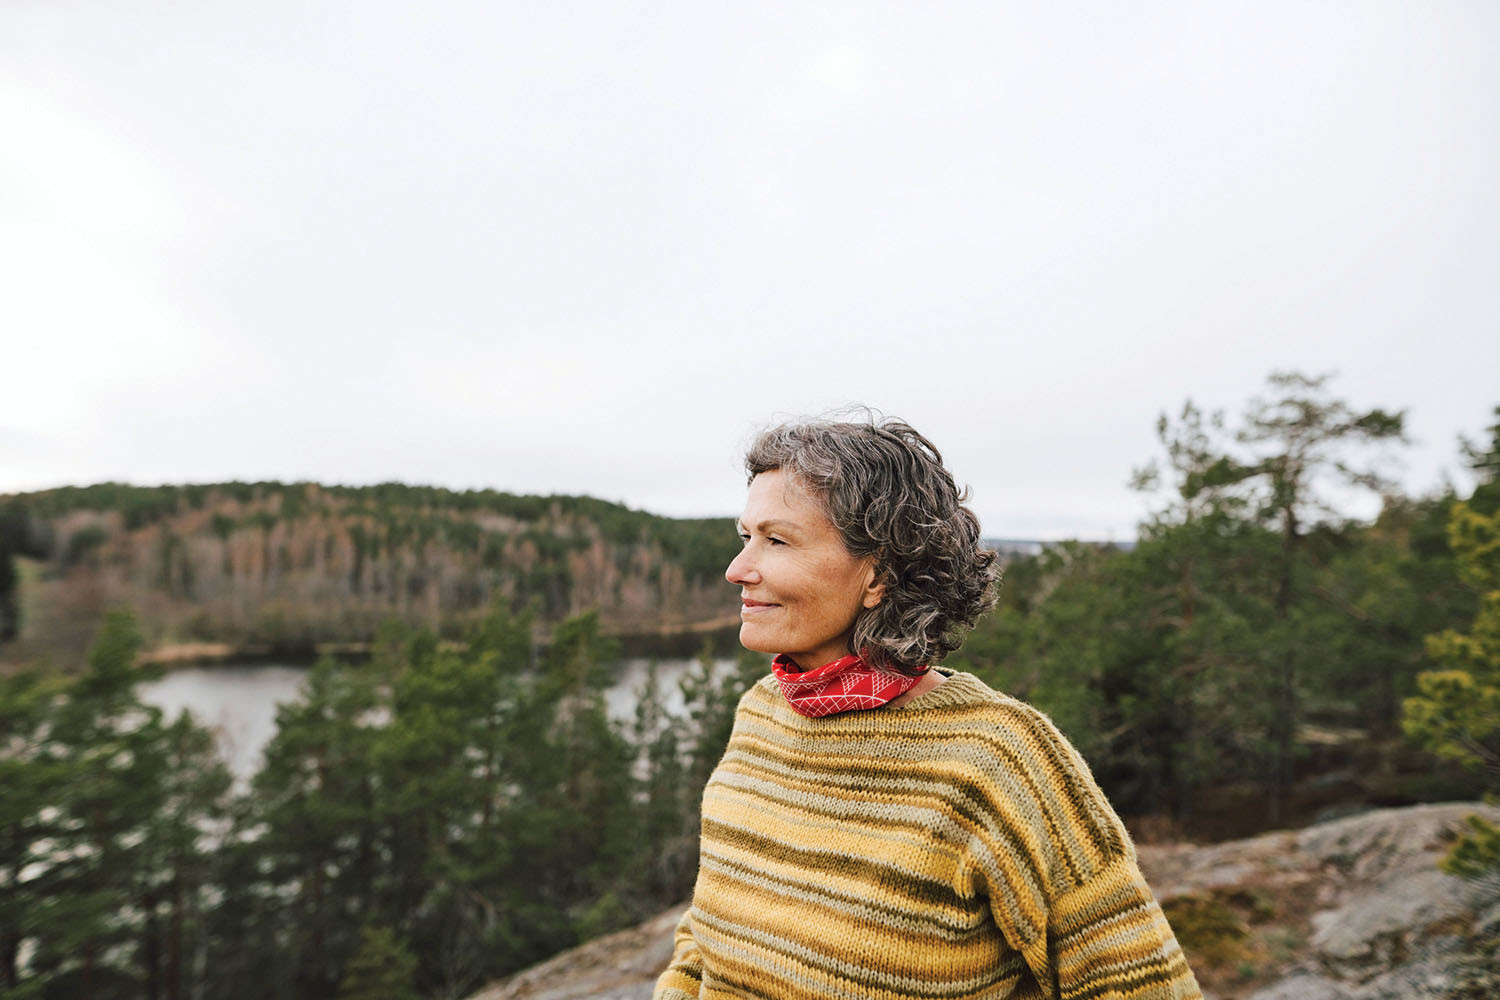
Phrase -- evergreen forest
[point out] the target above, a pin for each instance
(458, 804)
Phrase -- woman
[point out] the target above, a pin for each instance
(878, 828)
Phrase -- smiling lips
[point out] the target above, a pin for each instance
(747, 605)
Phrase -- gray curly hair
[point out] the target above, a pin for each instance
(885, 489)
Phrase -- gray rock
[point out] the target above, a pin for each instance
(1376, 926)
(1302, 986)
(1431, 978)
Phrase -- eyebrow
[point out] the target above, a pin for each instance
(766, 526)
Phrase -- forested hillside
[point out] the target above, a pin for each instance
(257, 564)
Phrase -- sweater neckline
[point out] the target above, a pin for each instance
(956, 689)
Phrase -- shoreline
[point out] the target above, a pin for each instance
(667, 640)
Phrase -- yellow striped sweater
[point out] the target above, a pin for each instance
(952, 847)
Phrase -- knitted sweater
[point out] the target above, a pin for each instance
(952, 847)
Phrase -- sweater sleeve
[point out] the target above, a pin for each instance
(1064, 884)
(684, 974)
(1108, 938)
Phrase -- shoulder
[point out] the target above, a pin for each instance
(1029, 771)
(964, 699)
(965, 696)
(763, 692)
(760, 699)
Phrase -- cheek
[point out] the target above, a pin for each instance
(849, 592)
(840, 602)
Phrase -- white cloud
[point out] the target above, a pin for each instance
(839, 68)
(85, 306)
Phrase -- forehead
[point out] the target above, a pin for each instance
(776, 496)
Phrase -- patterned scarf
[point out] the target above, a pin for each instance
(844, 685)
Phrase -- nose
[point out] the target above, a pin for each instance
(742, 569)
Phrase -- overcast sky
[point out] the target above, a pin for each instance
(590, 247)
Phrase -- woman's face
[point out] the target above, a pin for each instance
(800, 589)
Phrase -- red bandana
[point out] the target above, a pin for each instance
(841, 686)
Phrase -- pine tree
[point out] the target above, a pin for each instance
(382, 969)
(109, 745)
(1456, 711)
(667, 869)
(1299, 437)
(180, 878)
(316, 830)
(435, 764)
(1293, 445)
(32, 778)
(110, 812)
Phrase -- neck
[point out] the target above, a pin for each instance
(929, 680)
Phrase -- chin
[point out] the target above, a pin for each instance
(756, 644)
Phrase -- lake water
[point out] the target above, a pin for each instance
(239, 703)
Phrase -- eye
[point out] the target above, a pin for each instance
(774, 540)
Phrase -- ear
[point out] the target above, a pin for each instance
(874, 591)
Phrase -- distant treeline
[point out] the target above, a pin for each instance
(296, 564)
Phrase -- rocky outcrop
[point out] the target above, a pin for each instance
(1389, 925)
(620, 966)
(1353, 909)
